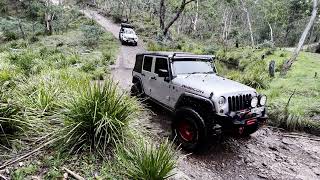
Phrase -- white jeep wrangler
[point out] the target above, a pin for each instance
(127, 35)
(204, 104)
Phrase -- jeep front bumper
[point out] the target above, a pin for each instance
(236, 121)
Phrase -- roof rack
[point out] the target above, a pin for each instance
(178, 55)
(126, 25)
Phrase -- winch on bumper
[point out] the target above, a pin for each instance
(243, 122)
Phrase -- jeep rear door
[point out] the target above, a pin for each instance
(160, 89)
(147, 73)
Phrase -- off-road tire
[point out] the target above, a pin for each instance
(247, 131)
(136, 90)
(196, 126)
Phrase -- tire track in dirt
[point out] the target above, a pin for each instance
(267, 154)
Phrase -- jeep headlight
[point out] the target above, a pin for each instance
(263, 100)
(222, 100)
(254, 102)
(136, 39)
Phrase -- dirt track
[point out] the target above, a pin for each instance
(267, 154)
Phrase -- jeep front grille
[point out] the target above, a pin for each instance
(237, 103)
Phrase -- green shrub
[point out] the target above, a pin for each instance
(280, 117)
(88, 66)
(265, 44)
(12, 121)
(257, 81)
(24, 60)
(92, 34)
(40, 93)
(254, 75)
(144, 161)
(97, 117)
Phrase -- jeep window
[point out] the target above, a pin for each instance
(193, 66)
(147, 63)
(138, 64)
(161, 63)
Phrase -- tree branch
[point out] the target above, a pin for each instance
(181, 8)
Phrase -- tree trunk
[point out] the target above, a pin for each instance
(195, 21)
(249, 21)
(271, 33)
(162, 14)
(296, 52)
(48, 20)
(165, 28)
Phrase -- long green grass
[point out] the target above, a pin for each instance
(142, 161)
(97, 117)
(13, 122)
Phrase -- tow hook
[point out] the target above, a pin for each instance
(241, 129)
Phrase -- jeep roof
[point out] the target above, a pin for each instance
(126, 25)
(177, 55)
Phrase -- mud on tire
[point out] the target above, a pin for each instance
(189, 130)
(136, 90)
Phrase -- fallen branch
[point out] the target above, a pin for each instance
(290, 99)
(3, 177)
(78, 177)
(26, 155)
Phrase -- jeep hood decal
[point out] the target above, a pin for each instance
(205, 84)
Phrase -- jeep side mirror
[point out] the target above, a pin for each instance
(163, 73)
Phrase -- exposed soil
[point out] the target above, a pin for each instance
(267, 154)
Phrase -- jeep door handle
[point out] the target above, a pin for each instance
(143, 74)
(154, 78)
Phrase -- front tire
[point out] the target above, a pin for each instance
(189, 130)
(247, 131)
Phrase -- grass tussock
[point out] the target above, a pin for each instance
(147, 161)
(13, 122)
(281, 117)
(97, 117)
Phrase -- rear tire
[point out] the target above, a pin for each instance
(136, 90)
(189, 130)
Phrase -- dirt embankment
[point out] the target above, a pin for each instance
(267, 154)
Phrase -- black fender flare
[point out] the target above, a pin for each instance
(187, 97)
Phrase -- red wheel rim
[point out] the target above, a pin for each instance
(186, 131)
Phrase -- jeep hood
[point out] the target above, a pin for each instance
(130, 35)
(205, 84)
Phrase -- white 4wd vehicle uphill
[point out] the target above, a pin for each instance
(204, 103)
(127, 34)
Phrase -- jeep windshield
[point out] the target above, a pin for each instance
(129, 31)
(193, 66)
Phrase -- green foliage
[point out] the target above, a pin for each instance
(22, 172)
(24, 60)
(147, 161)
(13, 123)
(91, 34)
(280, 117)
(97, 117)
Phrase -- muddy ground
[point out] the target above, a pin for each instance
(267, 154)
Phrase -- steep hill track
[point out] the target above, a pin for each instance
(267, 154)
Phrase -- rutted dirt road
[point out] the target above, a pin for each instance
(267, 154)
(122, 69)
